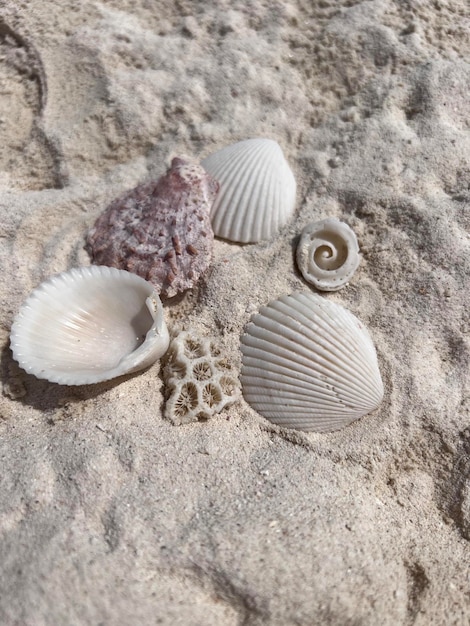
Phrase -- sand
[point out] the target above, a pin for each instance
(111, 515)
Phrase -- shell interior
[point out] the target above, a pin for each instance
(89, 325)
(256, 190)
(309, 364)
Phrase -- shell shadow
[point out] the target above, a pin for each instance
(43, 395)
(294, 242)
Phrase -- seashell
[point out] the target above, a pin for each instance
(88, 325)
(309, 364)
(160, 230)
(328, 254)
(257, 190)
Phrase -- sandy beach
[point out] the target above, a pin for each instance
(110, 514)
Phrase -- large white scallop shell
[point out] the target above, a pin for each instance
(328, 254)
(256, 190)
(88, 325)
(309, 364)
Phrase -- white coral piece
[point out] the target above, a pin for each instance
(199, 380)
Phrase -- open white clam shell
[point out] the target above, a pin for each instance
(88, 325)
(256, 190)
(328, 254)
(309, 364)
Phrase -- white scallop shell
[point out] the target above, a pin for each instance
(328, 254)
(88, 325)
(257, 190)
(309, 364)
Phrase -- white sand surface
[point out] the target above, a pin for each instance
(109, 514)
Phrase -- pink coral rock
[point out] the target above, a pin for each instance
(160, 230)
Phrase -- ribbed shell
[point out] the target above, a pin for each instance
(89, 325)
(256, 190)
(309, 364)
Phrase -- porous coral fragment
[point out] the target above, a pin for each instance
(199, 382)
(187, 399)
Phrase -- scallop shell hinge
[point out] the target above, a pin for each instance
(309, 364)
(88, 325)
(256, 190)
(328, 254)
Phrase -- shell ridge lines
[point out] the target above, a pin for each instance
(304, 386)
(326, 394)
(306, 409)
(263, 191)
(312, 339)
(283, 356)
(312, 323)
(251, 205)
(228, 192)
(344, 342)
(242, 193)
(298, 373)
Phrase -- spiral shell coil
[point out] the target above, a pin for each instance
(328, 254)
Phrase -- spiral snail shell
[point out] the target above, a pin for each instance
(328, 254)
